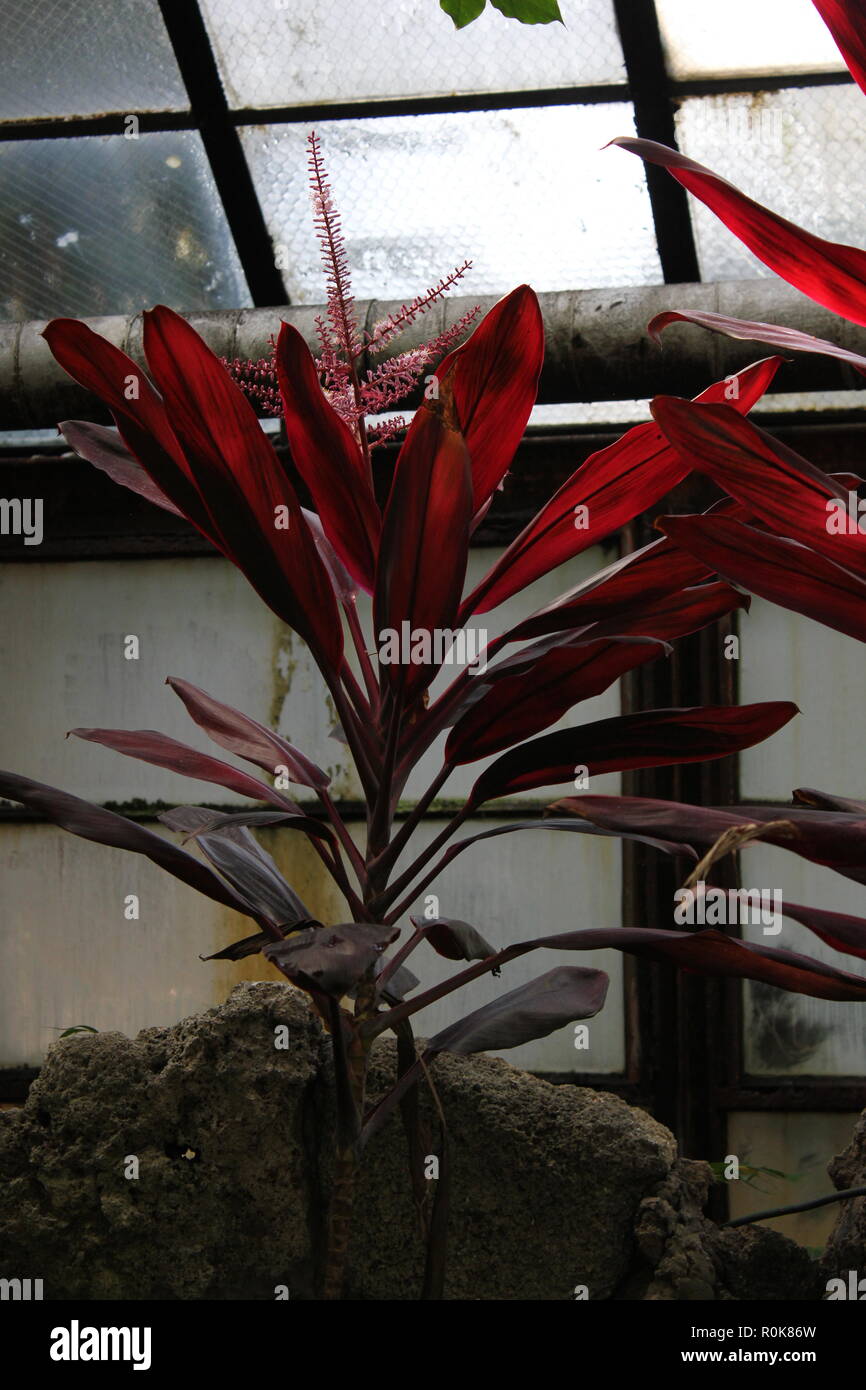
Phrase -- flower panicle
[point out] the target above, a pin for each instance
(394, 325)
(355, 395)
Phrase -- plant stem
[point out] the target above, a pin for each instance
(800, 1206)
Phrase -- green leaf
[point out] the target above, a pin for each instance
(78, 1028)
(462, 11)
(529, 11)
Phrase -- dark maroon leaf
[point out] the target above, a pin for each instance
(531, 1011)
(247, 737)
(516, 706)
(331, 959)
(105, 449)
(781, 570)
(835, 839)
(286, 819)
(826, 801)
(843, 933)
(653, 738)
(105, 828)
(162, 751)
(241, 859)
(454, 939)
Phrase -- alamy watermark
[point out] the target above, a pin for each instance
(438, 646)
(718, 907)
(22, 516)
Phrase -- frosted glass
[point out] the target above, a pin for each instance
(801, 152)
(292, 52)
(106, 225)
(527, 195)
(793, 1034)
(65, 58)
(745, 36)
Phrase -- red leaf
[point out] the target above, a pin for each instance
(425, 538)
(776, 484)
(495, 386)
(614, 485)
(843, 933)
(777, 569)
(844, 19)
(328, 459)
(247, 737)
(773, 334)
(108, 373)
(835, 839)
(519, 705)
(653, 738)
(242, 481)
(162, 751)
(651, 573)
(827, 271)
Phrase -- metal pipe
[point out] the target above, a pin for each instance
(597, 347)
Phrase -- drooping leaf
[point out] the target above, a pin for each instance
(331, 959)
(609, 489)
(842, 932)
(106, 828)
(454, 939)
(652, 738)
(105, 449)
(844, 19)
(829, 272)
(425, 538)
(241, 859)
(775, 568)
(286, 819)
(773, 334)
(162, 751)
(534, 1010)
(835, 839)
(328, 459)
(241, 734)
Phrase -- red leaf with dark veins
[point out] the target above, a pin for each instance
(829, 272)
(614, 485)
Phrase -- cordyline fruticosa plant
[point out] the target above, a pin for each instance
(190, 441)
(788, 531)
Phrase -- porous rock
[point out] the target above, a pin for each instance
(231, 1135)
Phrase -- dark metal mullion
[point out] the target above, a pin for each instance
(654, 120)
(198, 68)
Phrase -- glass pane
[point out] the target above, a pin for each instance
(293, 52)
(793, 1034)
(63, 58)
(799, 1146)
(106, 225)
(527, 195)
(802, 152)
(745, 36)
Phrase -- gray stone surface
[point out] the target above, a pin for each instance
(232, 1137)
(684, 1256)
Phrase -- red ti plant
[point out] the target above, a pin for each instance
(189, 440)
(788, 531)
